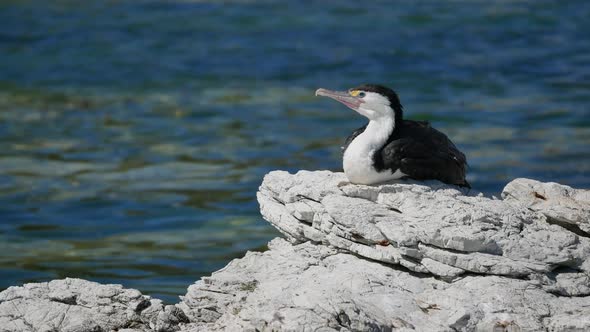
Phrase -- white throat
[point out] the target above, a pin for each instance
(358, 157)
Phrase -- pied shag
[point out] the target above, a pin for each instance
(389, 147)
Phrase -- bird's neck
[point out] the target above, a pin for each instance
(377, 132)
(370, 140)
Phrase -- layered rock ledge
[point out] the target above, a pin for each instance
(400, 256)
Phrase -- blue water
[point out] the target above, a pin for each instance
(134, 134)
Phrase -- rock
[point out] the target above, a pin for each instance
(427, 227)
(403, 256)
(308, 287)
(80, 305)
(561, 204)
(451, 235)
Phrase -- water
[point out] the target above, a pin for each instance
(134, 134)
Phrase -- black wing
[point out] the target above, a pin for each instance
(352, 136)
(422, 152)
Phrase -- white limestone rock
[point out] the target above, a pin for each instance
(561, 204)
(427, 227)
(76, 305)
(311, 287)
(405, 256)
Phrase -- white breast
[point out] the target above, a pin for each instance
(358, 157)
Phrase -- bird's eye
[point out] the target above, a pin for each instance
(362, 94)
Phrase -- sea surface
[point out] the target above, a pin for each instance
(134, 134)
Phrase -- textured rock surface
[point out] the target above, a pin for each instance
(79, 305)
(426, 227)
(305, 287)
(560, 204)
(402, 256)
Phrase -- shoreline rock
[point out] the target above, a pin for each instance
(404, 256)
(427, 227)
(80, 305)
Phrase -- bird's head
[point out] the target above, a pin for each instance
(370, 100)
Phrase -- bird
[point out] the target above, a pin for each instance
(390, 147)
